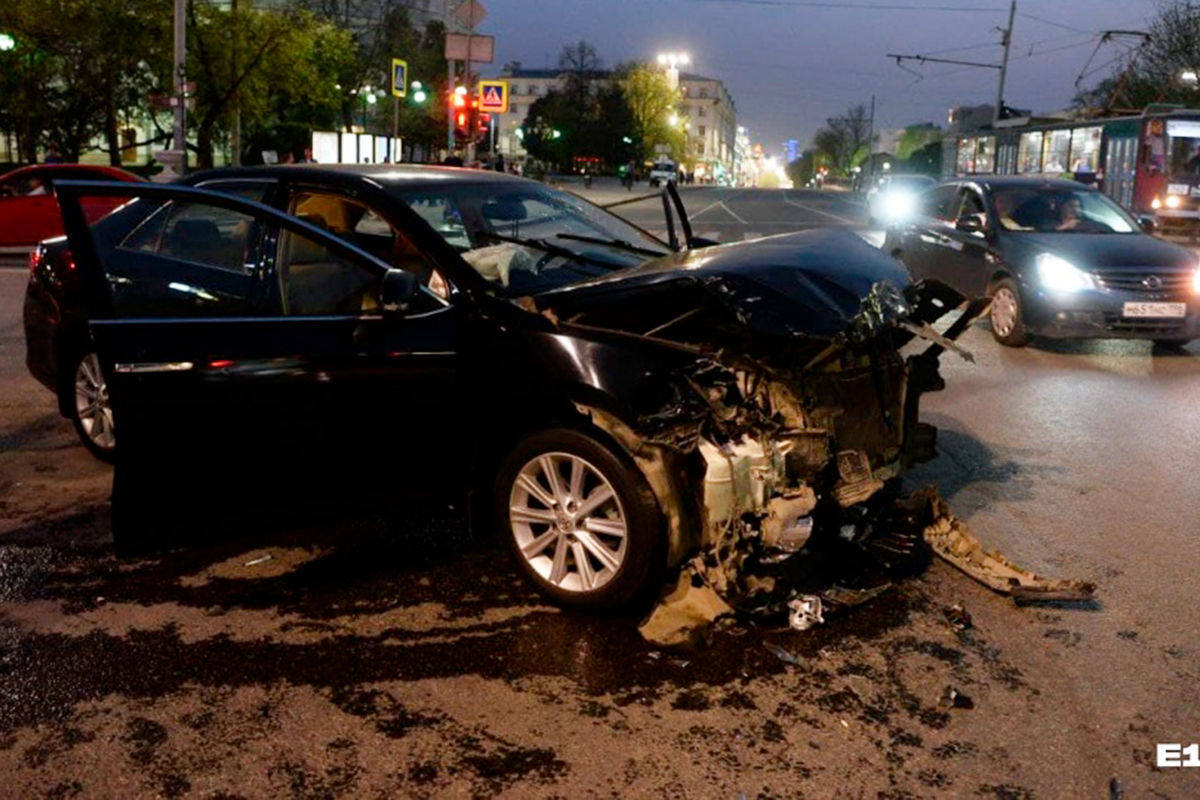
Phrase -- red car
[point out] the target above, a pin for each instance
(28, 210)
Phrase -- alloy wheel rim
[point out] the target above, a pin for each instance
(1004, 312)
(568, 522)
(92, 404)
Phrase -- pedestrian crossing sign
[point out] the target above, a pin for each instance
(493, 97)
(399, 77)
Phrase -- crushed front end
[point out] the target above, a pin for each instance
(777, 461)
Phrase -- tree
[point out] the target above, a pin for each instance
(802, 170)
(926, 161)
(80, 68)
(844, 137)
(291, 59)
(653, 103)
(1154, 73)
(916, 137)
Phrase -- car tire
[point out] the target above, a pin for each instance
(595, 541)
(1006, 314)
(86, 398)
(1171, 344)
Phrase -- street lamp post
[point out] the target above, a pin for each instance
(672, 62)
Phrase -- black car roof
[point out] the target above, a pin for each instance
(385, 175)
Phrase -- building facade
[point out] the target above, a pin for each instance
(705, 104)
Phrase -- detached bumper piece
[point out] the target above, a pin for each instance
(952, 541)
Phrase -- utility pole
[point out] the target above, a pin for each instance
(871, 142)
(1012, 13)
(449, 84)
(180, 137)
(395, 126)
(235, 135)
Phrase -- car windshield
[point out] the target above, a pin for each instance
(527, 238)
(1059, 210)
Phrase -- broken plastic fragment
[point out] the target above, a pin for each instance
(927, 332)
(783, 655)
(685, 613)
(952, 541)
(806, 611)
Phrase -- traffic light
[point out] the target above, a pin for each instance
(485, 122)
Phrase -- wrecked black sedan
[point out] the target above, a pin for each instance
(612, 403)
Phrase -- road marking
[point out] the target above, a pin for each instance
(748, 235)
(838, 217)
(708, 207)
(730, 212)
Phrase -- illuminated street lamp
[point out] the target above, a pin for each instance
(1189, 77)
(7, 42)
(672, 62)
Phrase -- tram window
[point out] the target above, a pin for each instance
(985, 158)
(1055, 148)
(966, 156)
(1029, 152)
(1085, 149)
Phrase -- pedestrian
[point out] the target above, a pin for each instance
(307, 158)
(289, 157)
(52, 156)
(499, 165)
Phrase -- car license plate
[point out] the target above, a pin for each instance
(1154, 310)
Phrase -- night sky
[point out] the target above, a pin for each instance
(791, 66)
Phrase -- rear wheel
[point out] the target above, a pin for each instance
(1172, 344)
(1007, 318)
(579, 519)
(91, 410)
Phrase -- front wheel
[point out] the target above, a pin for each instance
(579, 519)
(91, 410)
(1171, 344)
(1006, 315)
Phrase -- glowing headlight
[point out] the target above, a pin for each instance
(898, 205)
(1196, 282)
(1156, 204)
(1172, 201)
(1059, 275)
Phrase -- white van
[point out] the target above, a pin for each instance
(663, 171)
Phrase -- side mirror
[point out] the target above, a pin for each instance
(970, 223)
(400, 287)
(1148, 224)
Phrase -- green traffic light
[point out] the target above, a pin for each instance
(419, 96)
(7, 42)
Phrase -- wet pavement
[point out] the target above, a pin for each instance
(396, 655)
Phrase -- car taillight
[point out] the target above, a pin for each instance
(35, 259)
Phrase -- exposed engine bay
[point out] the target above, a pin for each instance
(777, 461)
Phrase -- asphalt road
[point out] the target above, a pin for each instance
(395, 656)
